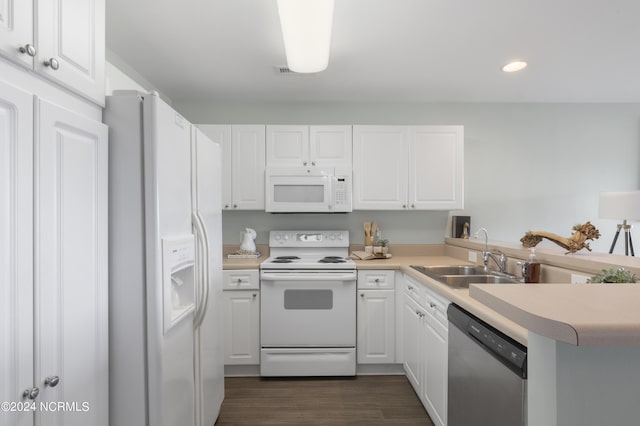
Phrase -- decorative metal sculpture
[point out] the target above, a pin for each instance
(577, 241)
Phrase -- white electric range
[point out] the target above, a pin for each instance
(308, 305)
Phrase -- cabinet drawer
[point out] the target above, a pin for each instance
(242, 279)
(437, 307)
(376, 279)
(414, 289)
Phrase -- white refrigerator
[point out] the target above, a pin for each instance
(165, 266)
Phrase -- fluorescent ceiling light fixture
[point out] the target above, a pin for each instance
(306, 30)
(514, 66)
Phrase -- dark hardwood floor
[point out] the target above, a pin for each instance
(363, 400)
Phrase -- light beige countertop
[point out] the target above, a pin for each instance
(228, 264)
(403, 262)
(459, 296)
(578, 314)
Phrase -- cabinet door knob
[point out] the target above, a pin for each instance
(53, 63)
(413, 206)
(254, 295)
(313, 163)
(404, 206)
(235, 206)
(226, 206)
(377, 280)
(410, 288)
(304, 163)
(31, 393)
(239, 280)
(362, 295)
(52, 381)
(28, 49)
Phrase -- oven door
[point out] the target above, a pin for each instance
(296, 190)
(308, 309)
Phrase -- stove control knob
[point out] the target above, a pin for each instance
(340, 236)
(277, 237)
(332, 236)
(286, 237)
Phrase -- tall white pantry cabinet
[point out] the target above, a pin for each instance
(53, 218)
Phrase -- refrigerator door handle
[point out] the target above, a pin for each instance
(207, 277)
(204, 285)
(199, 256)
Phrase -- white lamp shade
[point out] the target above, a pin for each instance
(623, 205)
(306, 30)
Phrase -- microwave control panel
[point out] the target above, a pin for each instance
(342, 191)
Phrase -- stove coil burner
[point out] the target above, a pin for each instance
(285, 259)
(332, 259)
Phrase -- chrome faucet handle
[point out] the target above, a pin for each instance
(523, 268)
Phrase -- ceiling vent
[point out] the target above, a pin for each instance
(285, 70)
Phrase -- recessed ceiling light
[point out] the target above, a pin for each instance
(514, 66)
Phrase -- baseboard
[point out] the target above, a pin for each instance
(242, 370)
(361, 370)
(379, 369)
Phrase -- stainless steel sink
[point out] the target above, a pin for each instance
(463, 281)
(451, 270)
(460, 276)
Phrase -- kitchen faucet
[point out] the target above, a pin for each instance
(487, 254)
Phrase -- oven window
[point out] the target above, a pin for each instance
(298, 193)
(308, 299)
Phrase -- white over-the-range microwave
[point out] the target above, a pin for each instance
(308, 190)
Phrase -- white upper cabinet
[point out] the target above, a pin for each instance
(287, 146)
(408, 167)
(436, 167)
(380, 167)
(322, 146)
(16, 31)
(243, 164)
(71, 33)
(70, 44)
(330, 146)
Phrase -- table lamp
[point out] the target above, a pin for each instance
(622, 205)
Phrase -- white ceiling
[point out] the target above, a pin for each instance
(387, 50)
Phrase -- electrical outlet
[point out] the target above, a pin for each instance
(473, 256)
(578, 279)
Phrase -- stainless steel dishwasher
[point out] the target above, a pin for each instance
(487, 374)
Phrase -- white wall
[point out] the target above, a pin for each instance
(117, 80)
(527, 166)
(120, 76)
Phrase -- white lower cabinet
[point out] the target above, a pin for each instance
(425, 347)
(376, 317)
(241, 317)
(53, 263)
(412, 326)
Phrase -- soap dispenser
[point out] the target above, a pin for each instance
(531, 268)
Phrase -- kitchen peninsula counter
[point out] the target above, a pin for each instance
(578, 314)
(583, 349)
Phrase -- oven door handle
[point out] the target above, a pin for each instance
(293, 276)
